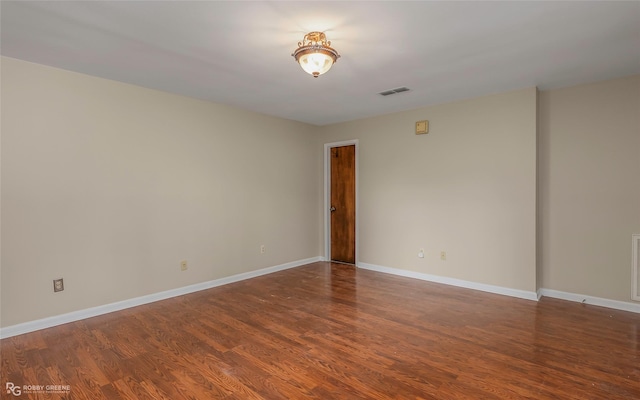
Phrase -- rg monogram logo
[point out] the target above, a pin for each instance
(13, 389)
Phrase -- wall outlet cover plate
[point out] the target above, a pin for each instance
(58, 285)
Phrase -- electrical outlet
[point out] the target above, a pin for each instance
(58, 285)
(263, 249)
(421, 253)
(443, 255)
(183, 265)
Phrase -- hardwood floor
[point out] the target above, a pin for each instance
(329, 331)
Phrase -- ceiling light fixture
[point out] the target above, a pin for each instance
(315, 54)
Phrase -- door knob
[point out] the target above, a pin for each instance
(332, 209)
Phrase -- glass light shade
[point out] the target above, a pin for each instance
(315, 54)
(315, 63)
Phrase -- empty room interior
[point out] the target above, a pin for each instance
(320, 200)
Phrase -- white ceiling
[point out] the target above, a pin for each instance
(239, 53)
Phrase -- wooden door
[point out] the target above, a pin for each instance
(343, 204)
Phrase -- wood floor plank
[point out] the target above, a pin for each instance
(332, 331)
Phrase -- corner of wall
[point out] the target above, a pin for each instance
(538, 200)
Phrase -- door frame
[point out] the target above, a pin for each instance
(327, 195)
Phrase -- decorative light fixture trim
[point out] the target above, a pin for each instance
(315, 54)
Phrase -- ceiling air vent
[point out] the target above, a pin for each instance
(394, 91)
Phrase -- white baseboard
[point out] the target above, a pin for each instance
(596, 301)
(31, 326)
(522, 294)
(43, 323)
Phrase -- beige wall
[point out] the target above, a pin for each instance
(110, 185)
(467, 188)
(590, 187)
